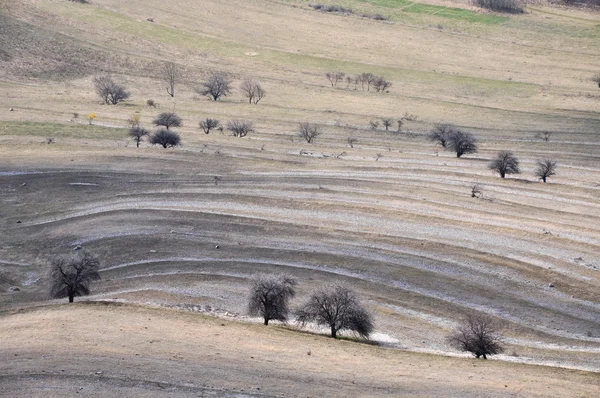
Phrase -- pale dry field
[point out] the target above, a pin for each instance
(392, 217)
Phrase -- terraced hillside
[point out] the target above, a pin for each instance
(392, 214)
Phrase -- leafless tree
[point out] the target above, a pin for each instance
(72, 277)
(167, 119)
(387, 122)
(253, 90)
(545, 168)
(138, 134)
(374, 124)
(218, 85)
(400, 123)
(461, 143)
(171, 74)
(381, 84)
(208, 124)
(165, 138)
(479, 335)
(270, 296)
(505, 163)
(349, 80)
(352, 141)
(309, 131)
(338, 308)
(367, 78)
(440, 134)
(240, 128)
(476, 191)
(544, 135)
(335, 77)
(110, 91)
(596, 79)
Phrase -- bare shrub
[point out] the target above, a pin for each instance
(72, 277)
(479, 335)
(505, 163)
(338, 308)
(218, 85)
(168, 119)
(380, 84)
(374, 124)
(331, 8)
(596, 79)
(165, 138)
(270, 296)
(352, 141)
(461, 143)
(171, 74)
(253, 90)
(208, 124)
(545, 168)
(544, 136)
(151, 103)
(110, 91)
(137, 134)
(511, 6)
(440, 134)
(476, 191)
(335, 77)
(387, 122)
(309, 131)
(240, 128)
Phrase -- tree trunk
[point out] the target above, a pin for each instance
(266, 321)
(544, 179)
(333, 332)
(71, 297)
(502, 174)
(484, 357)
(138, 144)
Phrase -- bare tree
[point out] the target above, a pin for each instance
(338, 308)
(72, 277)
(479, 335)
(168, 119)
(335, 77)
(544, 135)
(440, 134)
(218, 85)
(110, 91)
(476, 191)
(349, 80)
(596, 79)
(545, 168)
(374, 124)
(461, 143)
(505, 163)
(253, 90)
(387, 122)
(352, 141)
(380, 84)
(309, 131)
(166, 138)
(240, 128)
(171, 74)
(209, 124)
(367, 78)
(138, 134)
(270, 296)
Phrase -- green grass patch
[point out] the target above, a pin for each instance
(58, 130)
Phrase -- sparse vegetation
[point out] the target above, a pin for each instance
(110, 91)
(270, 296)
(309, 131)
(72, 277)
(240, 128)
(545, 168)
(596, 79)
(544, 136)
(338, 308)
(209, 124)
(510, 6)
(165, 138)
(331, 8)
(505, 163)
(479, 335)
(216, 86)
(167, 120)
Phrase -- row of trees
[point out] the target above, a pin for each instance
(364, 80)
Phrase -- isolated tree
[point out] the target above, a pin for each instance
(596, 79)
(166, 138)
(209, 124)
(387, 122)
(253, 90)
(218, 85)
(545, 168)
(110, 91)
(461, 143)
(505, 163)
(138, 134)
(338, 308)
(380, 84)
(270, 296)
(72, 277)
(440, 134)
(479, 335)
(335, 77)
(309, 131)
(544, 135)
(240, 128)
(168, 119)
(171, 74)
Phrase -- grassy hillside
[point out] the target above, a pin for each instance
(392, 215)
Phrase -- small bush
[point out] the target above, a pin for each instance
(512, 6)
(331, 8)
(240, 128)
(166, 138)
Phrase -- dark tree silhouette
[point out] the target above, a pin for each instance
(138, 134)
(387, 122)
(270, 296)
(171, 74)
(440, 134)
(335, 77)
(72, 277)
(208, 124)
(479, 335)
(461, 143)
(505, 163)
(240, 128)
(167, 119)
(545, 168)
(380, 84)
(166, 138)
(109, 90)
(217, 86)
(309, 132)
(253, 90)
(338, 308)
